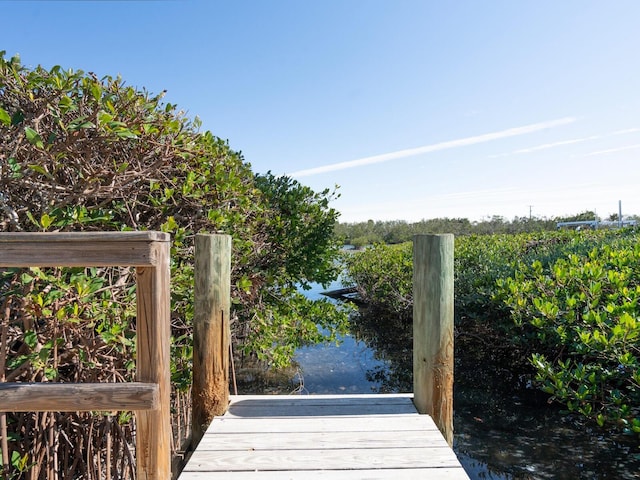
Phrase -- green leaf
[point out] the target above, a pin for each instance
(96, 91)
(40, 169)
(33, 137)
(125, 133)
(46, 221)
(17, 118)
(80, 123)
(31, 339)
(4, 117)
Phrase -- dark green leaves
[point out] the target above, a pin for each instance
(17, 118)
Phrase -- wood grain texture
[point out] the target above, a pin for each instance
(433, 302)
(364, 445)
(211, 330)
(63, 237)
(153, 438)
(70, 397)
(79, 249)
(368, 474)
(325, 440)
(319, 459)
(150, 399)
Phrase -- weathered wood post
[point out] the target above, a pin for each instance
(211, 331)
(149, 397)
(153, 436)
(433, 329)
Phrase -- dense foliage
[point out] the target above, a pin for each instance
(79, 153)
(560, 305)
(382, 276)
(582, 314)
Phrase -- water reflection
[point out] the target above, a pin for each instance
(502, 429)
(342, 368)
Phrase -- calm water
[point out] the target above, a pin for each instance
(502, 430)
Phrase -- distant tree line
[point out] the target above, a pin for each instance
(360, 234)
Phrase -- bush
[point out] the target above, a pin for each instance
(564, 304)
(78, 153)
(582, 313)
(383, 277)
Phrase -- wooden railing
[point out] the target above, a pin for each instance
(432, 330)
(149, 396)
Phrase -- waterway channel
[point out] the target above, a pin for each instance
(503, 430)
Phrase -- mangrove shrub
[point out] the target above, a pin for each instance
(81, 153)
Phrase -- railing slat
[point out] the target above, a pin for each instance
(77, 397)
(79, 249)
(149, 399)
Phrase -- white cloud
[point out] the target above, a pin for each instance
(462, 142)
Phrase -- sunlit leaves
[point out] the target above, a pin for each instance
(585, 311)
(33, 137)
(5, 118)
(567, 301)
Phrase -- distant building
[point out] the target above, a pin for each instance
(595, 224)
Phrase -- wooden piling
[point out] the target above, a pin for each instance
(211, 331)
(153, 435)
(433, 329)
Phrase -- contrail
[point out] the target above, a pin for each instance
(462, 142)
(614, 150)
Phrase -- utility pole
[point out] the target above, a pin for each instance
(530, 206)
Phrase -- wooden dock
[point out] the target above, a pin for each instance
(323, 436)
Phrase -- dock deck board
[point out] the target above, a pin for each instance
(351, 437)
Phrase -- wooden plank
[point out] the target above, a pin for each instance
(365, 446)
(336, 399)
(79, 249)
(76, 397)
(320, 405)
(211, 330)
(433, 329)
(364, 423)
(64, 237)
(317, 410)
(153, 438)
(318, 459)
(368, 474)
(327, 440)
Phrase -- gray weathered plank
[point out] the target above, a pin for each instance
(322, 424)
(320, 405)
(368, 474)
(333, 437)
(75, 397)
(318, 459)
(328, 440)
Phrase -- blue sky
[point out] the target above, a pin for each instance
(416, 109)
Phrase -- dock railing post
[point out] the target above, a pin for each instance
(433, 329)
(153, 436)
(211, 331)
